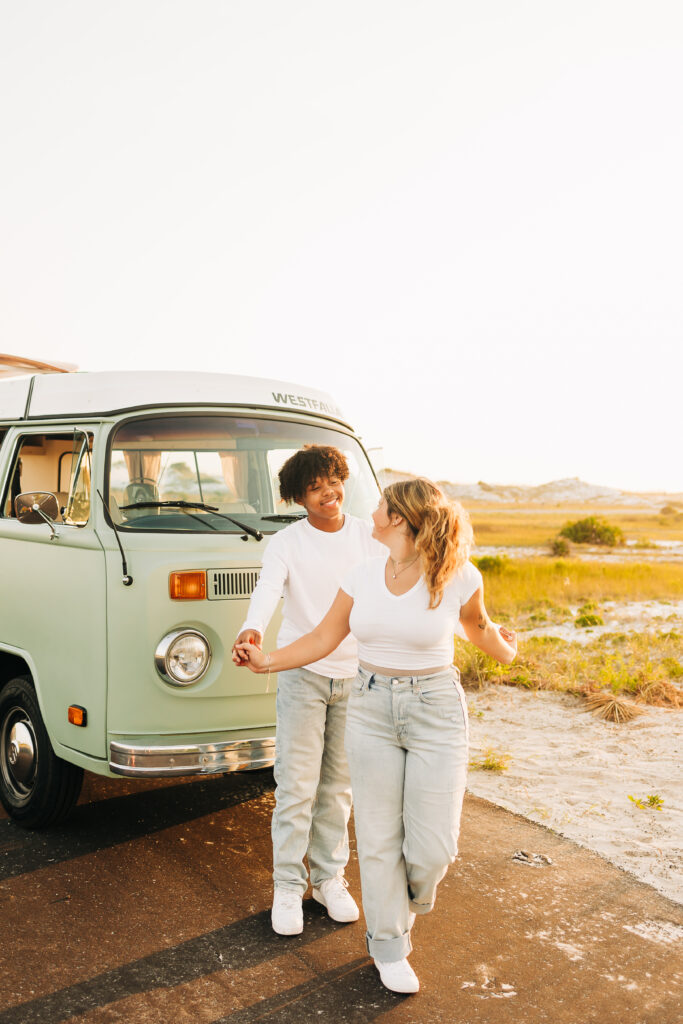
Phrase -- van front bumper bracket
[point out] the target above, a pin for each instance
(142, 760)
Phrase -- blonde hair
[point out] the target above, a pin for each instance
(441, 528)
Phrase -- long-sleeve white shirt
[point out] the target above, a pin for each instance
(306, 566)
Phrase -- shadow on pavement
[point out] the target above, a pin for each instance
(238, 946)
(352, 993)
(120, 819)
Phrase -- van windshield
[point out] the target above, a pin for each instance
(230, 463)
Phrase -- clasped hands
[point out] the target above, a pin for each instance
(247, 653)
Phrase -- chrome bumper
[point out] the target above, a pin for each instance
(140, 760)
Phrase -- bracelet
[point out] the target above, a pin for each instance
(268, 679)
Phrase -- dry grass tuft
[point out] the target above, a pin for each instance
(491, 761)
(612, 708)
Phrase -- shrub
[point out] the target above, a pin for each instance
(559, 547)
(673, 667)
(593, 530)
(491, 563)
(589, 619)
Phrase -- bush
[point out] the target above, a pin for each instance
(593, 530)
(491, 563)
(589, 619)
(559, 547)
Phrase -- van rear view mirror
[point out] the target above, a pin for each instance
(36, 507)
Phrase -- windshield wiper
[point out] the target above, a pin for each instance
(285, 517)
(170, 504)
(195, 504)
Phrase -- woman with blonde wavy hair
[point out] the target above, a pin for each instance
(406, 729)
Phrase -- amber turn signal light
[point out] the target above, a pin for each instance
(77, 715)
(187, 586)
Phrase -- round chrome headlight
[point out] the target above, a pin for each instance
(182, 657)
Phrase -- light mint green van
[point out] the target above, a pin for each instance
(134, 510)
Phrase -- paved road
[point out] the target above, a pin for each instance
(151, 907)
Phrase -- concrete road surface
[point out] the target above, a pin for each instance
(151, 906)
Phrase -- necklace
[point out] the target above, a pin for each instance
(398, 562)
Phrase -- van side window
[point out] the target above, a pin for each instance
(59, 463)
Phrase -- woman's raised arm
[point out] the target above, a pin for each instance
(321, 641)
(496, 641)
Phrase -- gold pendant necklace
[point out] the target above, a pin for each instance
(395, 574)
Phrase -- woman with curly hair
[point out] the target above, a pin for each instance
(406, 730)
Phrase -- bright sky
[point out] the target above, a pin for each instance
(464, 219)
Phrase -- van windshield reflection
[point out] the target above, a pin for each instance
(219, 473)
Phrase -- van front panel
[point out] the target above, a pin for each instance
(198, 492)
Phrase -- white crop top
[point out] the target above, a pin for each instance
(402, 632)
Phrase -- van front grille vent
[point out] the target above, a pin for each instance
(230, 584)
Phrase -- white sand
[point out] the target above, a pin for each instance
(618, 617)
(574, 773)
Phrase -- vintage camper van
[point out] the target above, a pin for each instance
(134, 510)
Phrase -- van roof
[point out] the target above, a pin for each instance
(62, 395)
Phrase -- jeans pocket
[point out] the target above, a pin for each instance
(443, 698)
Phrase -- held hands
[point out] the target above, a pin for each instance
(247, 636)
(251, 656)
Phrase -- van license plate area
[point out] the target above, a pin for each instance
(230, 584)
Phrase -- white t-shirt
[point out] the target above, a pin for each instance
(402, 632)
(306, 566)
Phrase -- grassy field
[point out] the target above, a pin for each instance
(534, 526)
(520, 587)
(644, 666)
(527, 592)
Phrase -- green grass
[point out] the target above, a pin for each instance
(491, 761)
(505, 527)
(531, 585)
(637, 665)
(523, 593)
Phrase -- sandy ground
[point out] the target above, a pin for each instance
(574, 773)
(618, 617)
(659, 551)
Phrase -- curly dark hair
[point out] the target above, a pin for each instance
(305, 466)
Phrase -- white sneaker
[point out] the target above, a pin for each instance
(340, 904)
(398, 975)
(287, 916)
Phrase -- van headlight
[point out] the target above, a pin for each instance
(182, 657)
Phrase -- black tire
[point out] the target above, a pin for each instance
(37, 788)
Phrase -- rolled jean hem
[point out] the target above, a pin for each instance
(420, 908)
(389, 950)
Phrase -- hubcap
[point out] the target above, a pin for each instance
(21, 753)
(18, 754)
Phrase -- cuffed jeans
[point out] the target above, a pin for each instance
(406, 741)
(313, 794)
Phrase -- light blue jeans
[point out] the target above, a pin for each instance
(313, 794)
(406, 741)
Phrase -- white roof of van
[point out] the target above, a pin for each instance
(51, 396)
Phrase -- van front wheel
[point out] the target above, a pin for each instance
(37, 788)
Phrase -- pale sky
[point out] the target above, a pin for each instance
(465, 220)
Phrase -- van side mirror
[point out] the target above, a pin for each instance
(36, 507)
